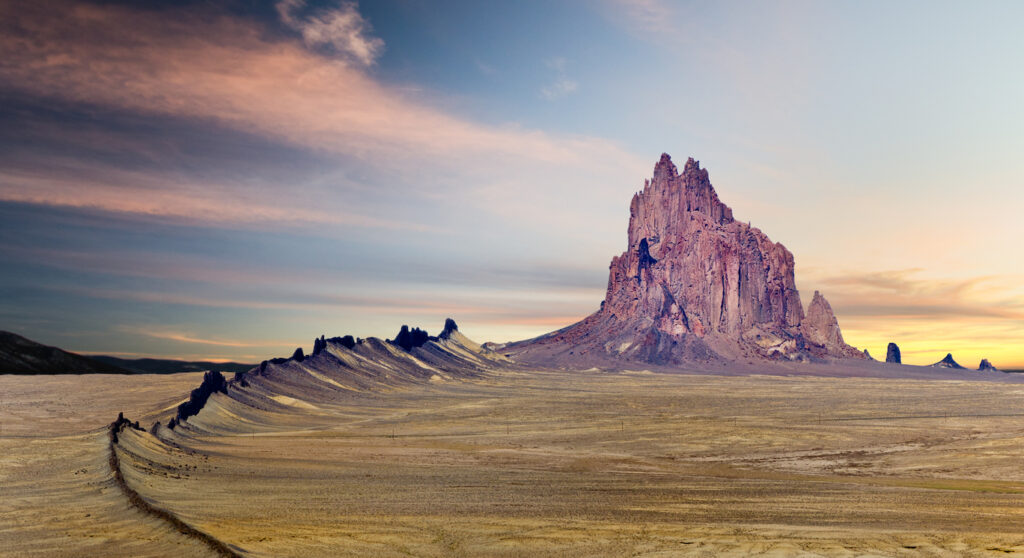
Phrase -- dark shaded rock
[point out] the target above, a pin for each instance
(172, 423)
(867, 355)
(892, 354)
(948, 362)
(449, 327)
(213, 382)
(346, 341)
(319, 344)
(263, 367)
(407, 339)
(120, 424)
(298, 355)
(240, 379)
(644, 259)
(986, 366)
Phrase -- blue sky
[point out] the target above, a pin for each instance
(228, 180)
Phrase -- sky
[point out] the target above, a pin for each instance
(228, 180)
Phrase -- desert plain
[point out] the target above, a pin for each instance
(767, 460)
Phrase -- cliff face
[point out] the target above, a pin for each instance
(694, 283)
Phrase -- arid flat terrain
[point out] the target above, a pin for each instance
(532, 463)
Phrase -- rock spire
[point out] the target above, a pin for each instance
(892, 354)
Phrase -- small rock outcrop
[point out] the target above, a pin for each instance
(120, 424)
(867, 355)
(892, 354)
(213, 382)
(319, 344)
(449, 327)
(948, 362)
(986, 366)
(409, 339)
(346, 341)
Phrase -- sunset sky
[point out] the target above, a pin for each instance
(227, 180)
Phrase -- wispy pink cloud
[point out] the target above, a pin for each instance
(182, 337)
(213, 67)
(157, 195)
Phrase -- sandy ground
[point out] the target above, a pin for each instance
(536, 464)
(57, 496)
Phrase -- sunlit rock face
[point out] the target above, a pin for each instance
(696, 284)
(821, 328)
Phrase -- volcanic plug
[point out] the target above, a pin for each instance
(695, 285)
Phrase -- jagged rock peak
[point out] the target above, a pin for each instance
(298, 355)
(892, 354)
(409, 338)
(948, 362)
(694, 283)
(346, 341)
(319, 344)
(213, 382)
(449, 327)
(660, 210)
(986, 366)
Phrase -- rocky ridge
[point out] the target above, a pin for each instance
(695, 285)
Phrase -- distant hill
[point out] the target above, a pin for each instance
(19, 355)
(166, 366)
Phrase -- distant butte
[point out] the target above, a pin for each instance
(948, 362)
(986, 366)
(695, 285)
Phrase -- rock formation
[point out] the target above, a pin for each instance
(892, 354)
(449, 327)
(346, 341)
(867, 355)
(319, 344)
(986, 366)
(948, 362)
(695, 284)
(213, 382)
(416, 337)
(409, 338)
(820, 327)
